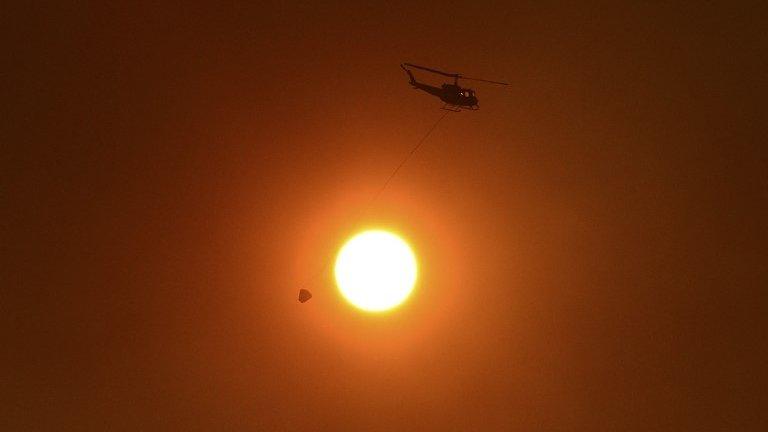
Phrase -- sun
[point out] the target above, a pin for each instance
(376, 270)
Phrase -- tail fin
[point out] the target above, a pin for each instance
(410, 75)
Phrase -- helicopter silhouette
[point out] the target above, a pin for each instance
(455, 97)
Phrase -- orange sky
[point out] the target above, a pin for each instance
(590, 240)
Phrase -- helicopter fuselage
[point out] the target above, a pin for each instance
(451, 94)
(456, 95)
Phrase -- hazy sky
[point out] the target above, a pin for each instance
(592, 241)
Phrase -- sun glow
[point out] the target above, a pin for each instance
(375, 270)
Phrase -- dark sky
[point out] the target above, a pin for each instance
(593, 240)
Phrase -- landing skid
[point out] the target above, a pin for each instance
(458, 108)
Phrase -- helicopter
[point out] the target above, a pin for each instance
(455, 97)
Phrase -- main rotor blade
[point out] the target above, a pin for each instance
(483, 80)
(433, 70)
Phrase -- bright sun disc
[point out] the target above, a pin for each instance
(375, 270)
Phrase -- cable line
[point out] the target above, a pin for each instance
(403, 162)
(367, 208)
